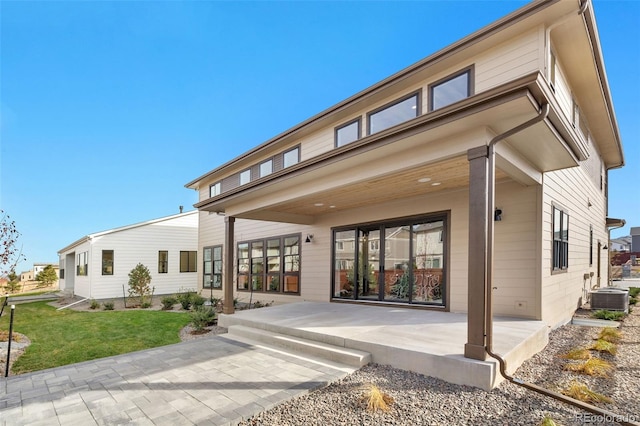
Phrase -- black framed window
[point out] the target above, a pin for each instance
(397, 112)
(560, 250)
(107, 262)
(269, 265)
(347, 132)
(188, 261)
(163, 261)
(449, 90)
(212, 267)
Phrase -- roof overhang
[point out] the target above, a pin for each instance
(434, 143)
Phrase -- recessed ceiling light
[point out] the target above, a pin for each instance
(424, 179)
(332, 207)
(435, 184)
(319, 204)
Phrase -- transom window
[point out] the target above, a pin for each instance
(397, 112)
(215, 189)
(269, 265)
(560, 239)
(266, 168)
(212, 267)
(450, 90)
(291, 157)
(245, 177)
(348, 132)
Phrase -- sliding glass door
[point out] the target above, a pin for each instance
(396, 261)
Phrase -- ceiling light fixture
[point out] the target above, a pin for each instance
(424, 180)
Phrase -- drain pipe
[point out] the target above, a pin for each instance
(543, 113)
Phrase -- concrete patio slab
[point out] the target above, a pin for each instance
(425, 341)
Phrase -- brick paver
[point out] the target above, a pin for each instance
(215, 381)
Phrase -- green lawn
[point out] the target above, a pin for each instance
(66, 337)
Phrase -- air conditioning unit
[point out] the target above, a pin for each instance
(611, 299)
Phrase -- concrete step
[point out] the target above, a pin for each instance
(350, 357)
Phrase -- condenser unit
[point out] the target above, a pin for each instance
(611, 299)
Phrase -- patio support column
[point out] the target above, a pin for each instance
(476, 292)
(229, 233)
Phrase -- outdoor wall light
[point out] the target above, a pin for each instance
(604, 247)
(309, 238)
(497, 215)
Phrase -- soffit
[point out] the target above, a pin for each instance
(388, 166)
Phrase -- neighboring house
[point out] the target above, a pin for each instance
(621, 244)
(635, 239)
(98, 265)
(385, 197)
(37, 268)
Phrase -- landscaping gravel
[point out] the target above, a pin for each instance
(421, 400)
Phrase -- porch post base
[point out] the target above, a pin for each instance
(475, 352)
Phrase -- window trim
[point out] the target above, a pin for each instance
(357, 120)
(213, 269)
(195, 263)
(103, 262)
(415, 93)
(166, 262)
(244, 172)
(269, 160)
(284, 155)
(219, 185)
(470, 70)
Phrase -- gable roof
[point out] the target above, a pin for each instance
(125, 228)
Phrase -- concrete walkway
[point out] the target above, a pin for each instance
(210, 381)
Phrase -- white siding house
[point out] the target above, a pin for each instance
(97, 265)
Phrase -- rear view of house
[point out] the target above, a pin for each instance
(387, 198)
(97, 265)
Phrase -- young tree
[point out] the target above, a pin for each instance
(47, 276)
(14, 283)
(10, 255)
(139, 280)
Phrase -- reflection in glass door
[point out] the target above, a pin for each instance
(395, 261)
(397, 270)
(368, 263)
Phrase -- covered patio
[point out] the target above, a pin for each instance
(424, 341)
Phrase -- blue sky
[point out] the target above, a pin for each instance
(108, 108)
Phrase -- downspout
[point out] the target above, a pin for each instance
(542, 115)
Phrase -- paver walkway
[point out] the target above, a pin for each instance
(210, 381)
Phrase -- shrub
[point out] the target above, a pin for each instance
(610, 334)
(202, 317)
(581, 392)
(145, 305)
(107, 306)
(185, 298)
(592, 367)
(139, 280)
(376, 399)
(608, 315)
(634, 292)
(94, 304)
(577, 354)
(604, 346)
(215, 302)
(548, 421)
(168, 302)
(197, 301)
